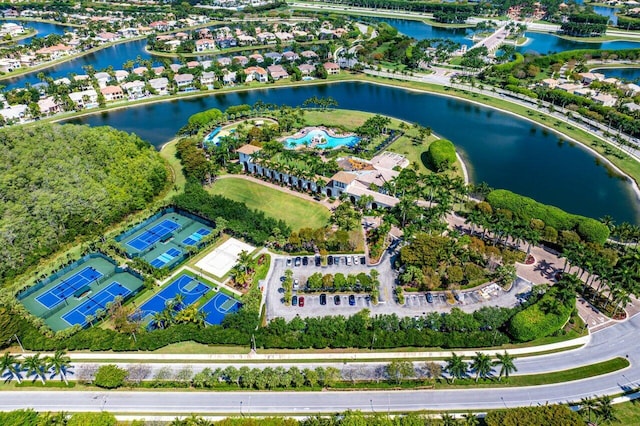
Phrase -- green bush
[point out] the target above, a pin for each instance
(534, 416)
(442, 154)
(526, 208)
(534, 323)
(93, 419)
(110, 376)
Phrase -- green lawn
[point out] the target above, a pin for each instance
(298, 213)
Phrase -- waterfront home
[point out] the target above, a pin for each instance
(284, 37)
(224, 61)
(204, 33)
(49, 106)
(55, 52)
(258, 74)
(246, 40)
(193, 64)
(183, 81)
(240, 59)
(205, 44)
(106, 37)
(207, 79)
(632, 89)
(277, 72)
(605, 99)
(159, 85)
(14, 113)
(590, 77)
(128, 32)
(226, 42)
(158, 70)
(290, 56)
(266, 38)
(84, 99)
(121, 75)
(274, 56)
(140, 70)
(173, 44)
(229, 77)
(9, 64)
(134, 89)
(182, 36)
(309, 55)
(332, 68)
(160, 25)
(102, 78)
(307, 69)
(112, 93)
(258, 58)
(64, 81)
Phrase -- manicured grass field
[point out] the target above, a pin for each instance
(298, 213)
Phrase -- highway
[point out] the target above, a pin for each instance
(618, 340)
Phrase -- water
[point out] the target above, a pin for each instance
(43, 28)
(499, 148)
(542, 43)
(627, 74)
(113, 56)
(610, 12)
(319, 135)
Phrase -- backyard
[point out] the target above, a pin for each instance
(296, 212)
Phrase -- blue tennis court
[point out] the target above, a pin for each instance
(218, 307)
(153, 234)
(165, 258)
(66, 288)
(196, 237)
(78, 315)
(191, 288)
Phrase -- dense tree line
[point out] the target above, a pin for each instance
(237, 218)
(585, 25)
(61, 182)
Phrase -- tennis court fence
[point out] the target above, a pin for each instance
(27, 291)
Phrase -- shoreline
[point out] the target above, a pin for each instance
(634, 185)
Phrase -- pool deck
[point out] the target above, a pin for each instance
(306, 130)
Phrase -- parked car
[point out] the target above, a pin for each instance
(288, 261)
(323, 299)
(305, 261)
(363, 260)
(301, 301)
(296, 284)
(336, 300)
(429, 298)
(318, 260)
(456, 296)
(329, 260)
(294, 301)
(297, 261)
(348, 260)
(282, 278)
(356, 260)
(352, 300)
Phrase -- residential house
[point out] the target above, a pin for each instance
(49, 106)
(266, 38)
(277, 72)
(184, 81)
(112, 93)
(632, 107)
(258, 74)
(307, 69)
(14, 113)
(175, 67)
(56, 52)
(229, 77)
(224, 61)
(605, 99)
(246, 40)
(550, 83)
(274, 56)
(193, 64)
(309, 55)
(85, 99)
(106, 37)
(9, 64)
(240, 59)
(207, 79)
(121, 75)
(332, 68)
(590, 77)
(205, 44)
(290, 56)
(160, 85)
(284, 37)
(102, 78)
(258, 58)
(134, 89)
(158, 70)
(140, 70)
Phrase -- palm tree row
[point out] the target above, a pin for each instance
(175, 312)
(481, 365)
(12, 367)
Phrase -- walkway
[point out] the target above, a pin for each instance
(494, 40)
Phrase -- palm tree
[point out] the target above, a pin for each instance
(588, 404)
(505, 361)
(482, 365)
(36, 366)
(10, 366)
(59, 364)
(456, 367)
(604, 409)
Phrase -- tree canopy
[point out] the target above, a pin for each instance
(59, 182)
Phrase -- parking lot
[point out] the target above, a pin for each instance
(339, 304)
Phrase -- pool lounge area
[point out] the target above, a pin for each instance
(318, 137)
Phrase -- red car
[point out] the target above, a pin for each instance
(301, 301)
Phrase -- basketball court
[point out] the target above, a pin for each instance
(220, 261)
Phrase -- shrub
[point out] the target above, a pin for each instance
(533, 416)
(534, 323)
(93, 419)
(442, 154)
(110, 376)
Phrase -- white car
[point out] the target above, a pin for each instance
(356, 261)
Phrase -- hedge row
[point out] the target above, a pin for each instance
(526, 208)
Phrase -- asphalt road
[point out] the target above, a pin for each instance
(619, 340)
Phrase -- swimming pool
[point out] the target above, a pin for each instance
(321, 139)
(213, 138)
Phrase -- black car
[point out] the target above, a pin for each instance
(429, 298)
(305, 261)
(297, 261)
(323, 299)
(288, 261)
(363, 260)
(282, 278)
(456, 296)
(336, 300)
(318, 260)
(352, 300)
(329, 260)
